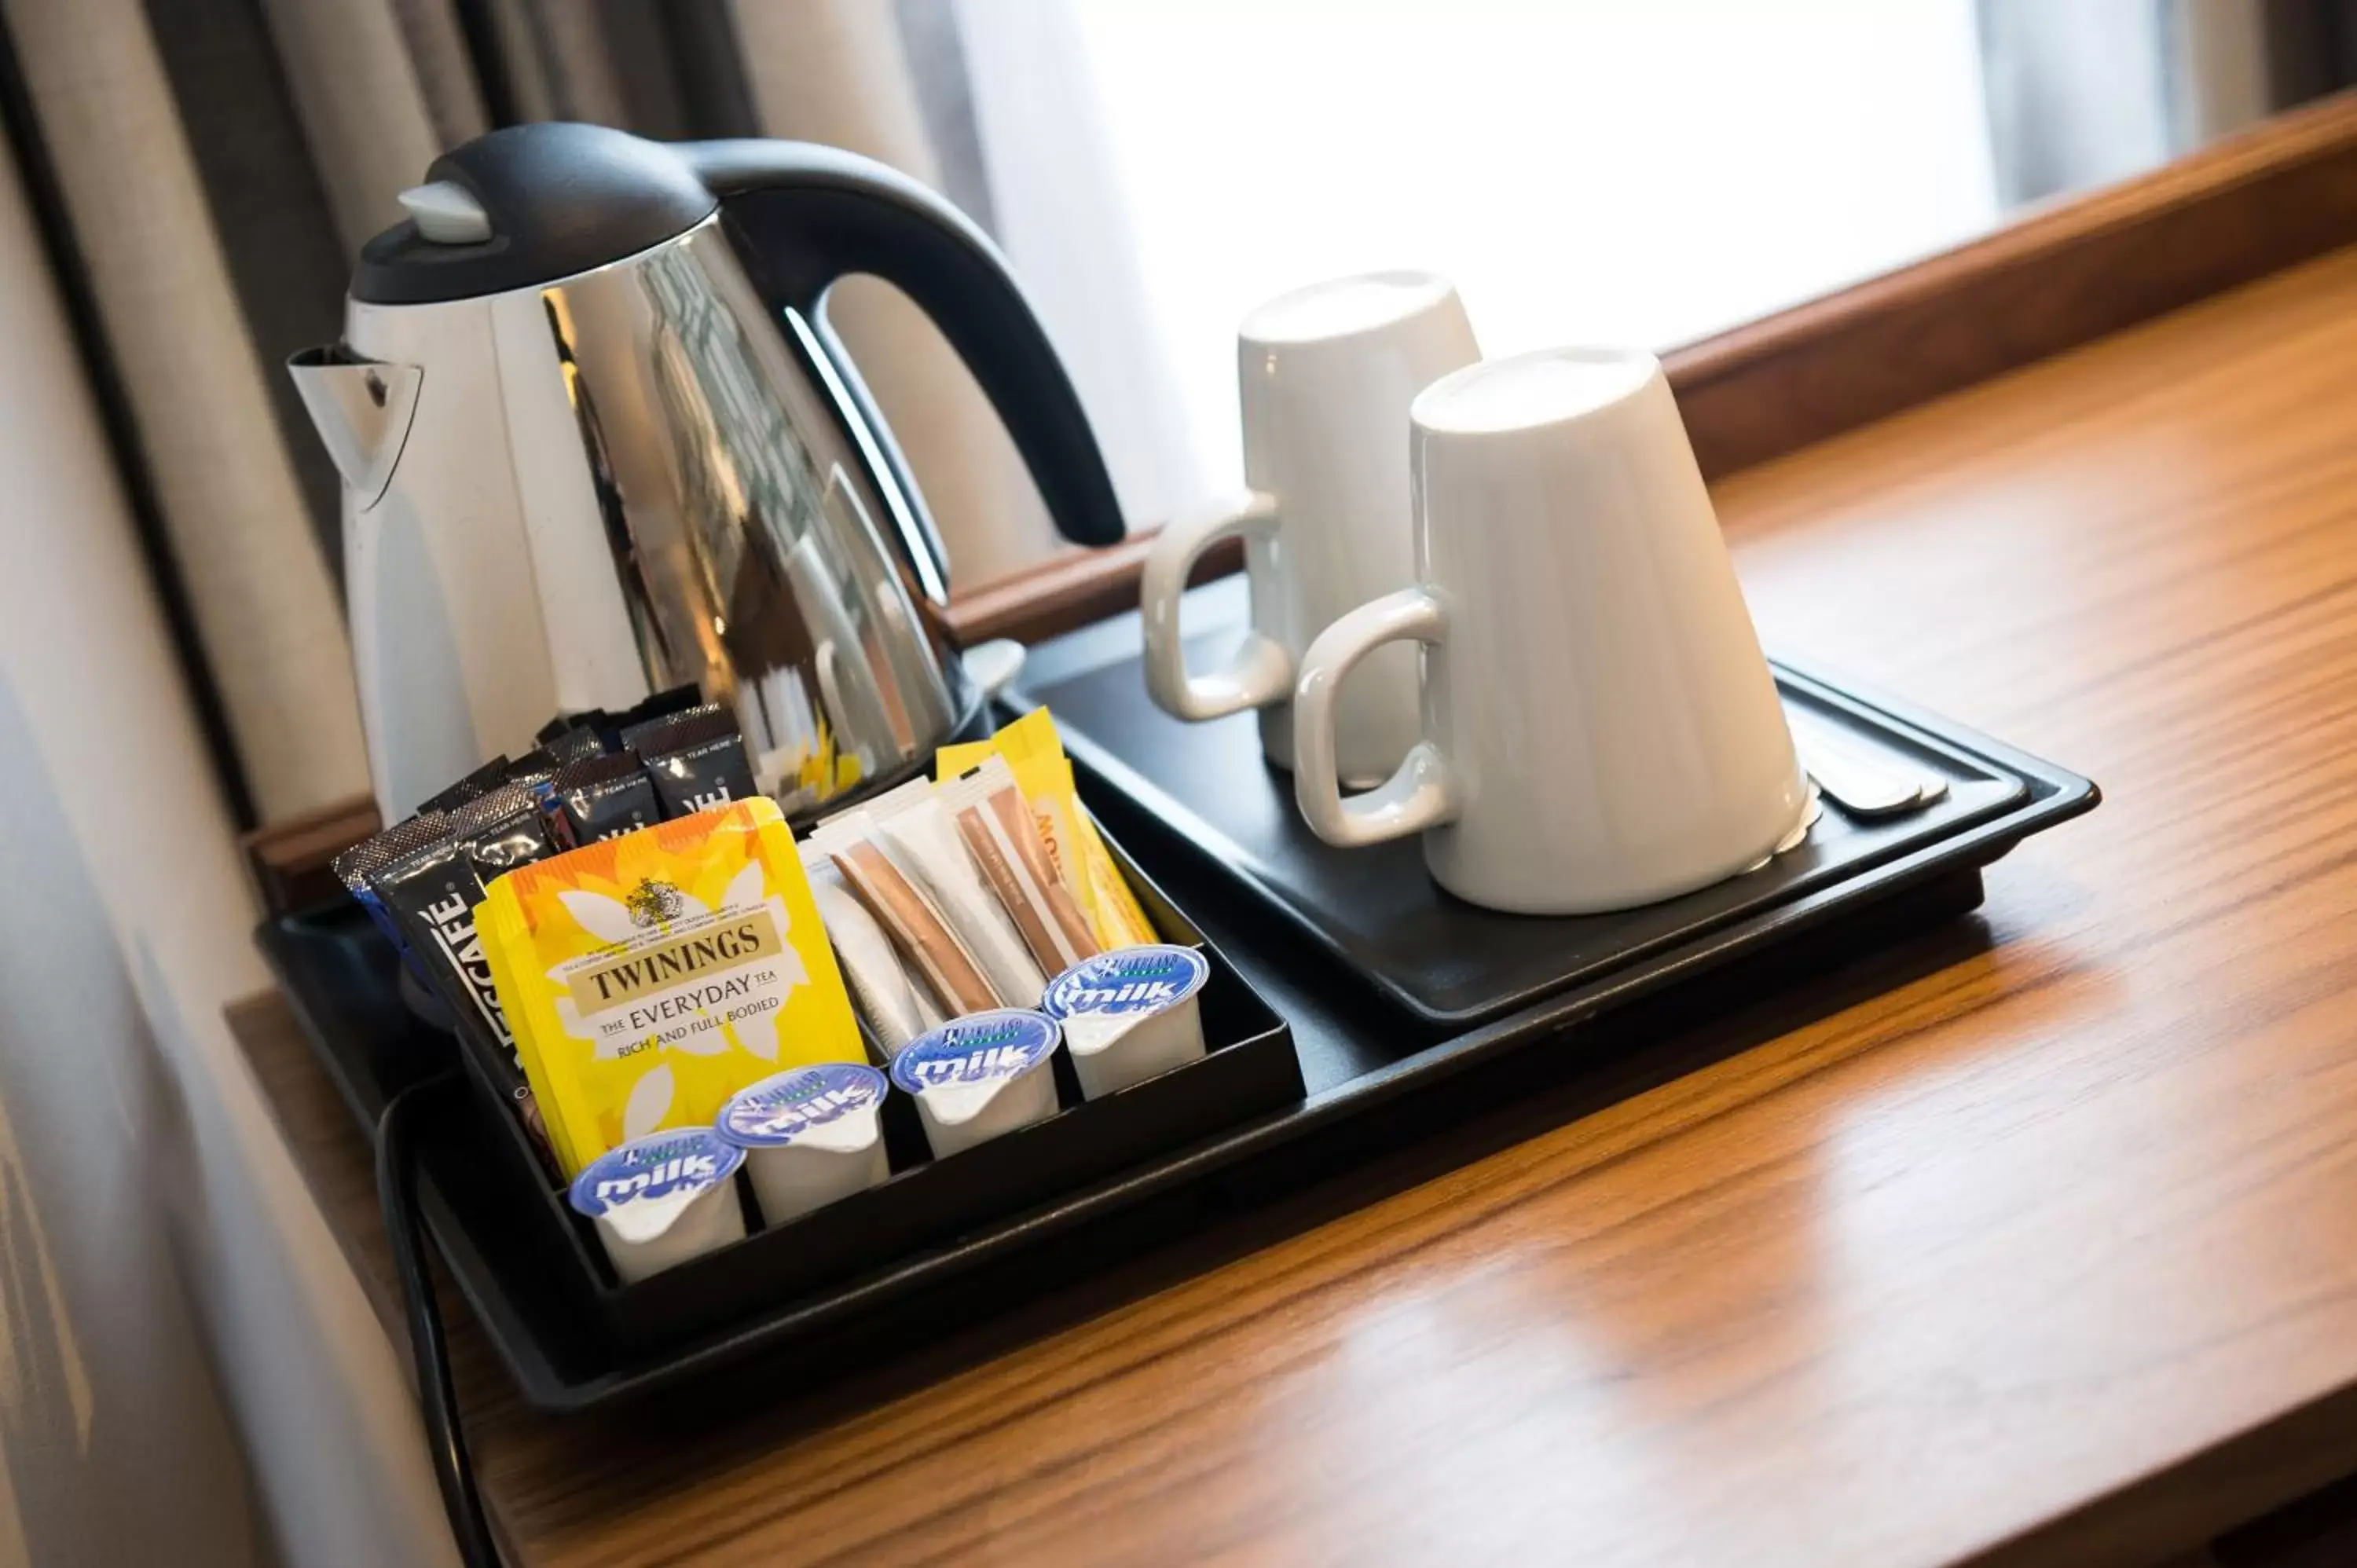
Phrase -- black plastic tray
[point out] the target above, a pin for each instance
(1376, 1078)
(1206, 790)
(501, 1215)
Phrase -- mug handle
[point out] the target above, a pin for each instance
(1261, 672)
(1419, 794)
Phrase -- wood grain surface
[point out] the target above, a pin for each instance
(1072, 588)
(2062, 274)
(2043, 1255)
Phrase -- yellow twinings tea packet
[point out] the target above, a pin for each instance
(650, 976)
(1035, 754)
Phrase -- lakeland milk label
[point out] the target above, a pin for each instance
(1127, 981)
(685, 1163)
(778, 1110)
(981, 1048)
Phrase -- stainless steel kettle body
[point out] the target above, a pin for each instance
(599, 440)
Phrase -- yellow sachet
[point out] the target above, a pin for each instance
(649, 977)
(1035, 754)
(1121, 920)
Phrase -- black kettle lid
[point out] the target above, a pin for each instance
(528, 205)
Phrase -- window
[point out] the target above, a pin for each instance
(1631, 171)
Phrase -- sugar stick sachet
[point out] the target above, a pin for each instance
(1003, 839)
(933, 950)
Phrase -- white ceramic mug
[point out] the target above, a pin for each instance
(1327, 375)
(1600, 728)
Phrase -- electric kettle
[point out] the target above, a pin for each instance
(597, 440)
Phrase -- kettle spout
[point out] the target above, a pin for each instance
(362, 408)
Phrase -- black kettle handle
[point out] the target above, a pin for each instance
(812, 214)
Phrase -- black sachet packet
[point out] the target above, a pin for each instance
(505, 829)
(481, 781)
(573, 746)
(697, 761)
(432, 893)
(608, 726)
(586, 722)
(601, 797)
(355, 866)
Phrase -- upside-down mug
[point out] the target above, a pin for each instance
(1327, 375)
(1599, 727)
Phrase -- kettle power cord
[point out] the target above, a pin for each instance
(438, 1397)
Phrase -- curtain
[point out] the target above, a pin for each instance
(170, 1303)
(2085, 94)
(1060, 210)
(240, 535)
(187, 1371)
(838, 71)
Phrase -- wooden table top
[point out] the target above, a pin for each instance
(2046, 1254)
